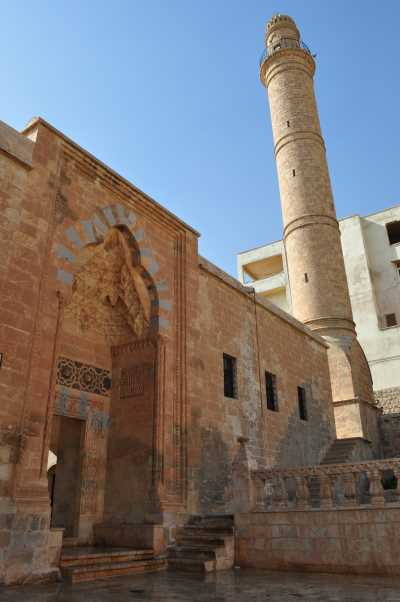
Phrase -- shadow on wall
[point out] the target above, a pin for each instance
(385, 283)
(306, 441)
(215, 472)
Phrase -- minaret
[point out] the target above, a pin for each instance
(320, 296)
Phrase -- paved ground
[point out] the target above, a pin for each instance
(232, 586)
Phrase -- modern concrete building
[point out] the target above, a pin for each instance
(371, 249)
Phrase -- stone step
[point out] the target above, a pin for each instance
(186, 540)
(92, 572)
(191, 565)
(212, 521)
(201, 517)
(83, 556)
(205, 543)
(69, 542)
(341, 460)
(205, 533)
(341, 450)
(201, 552)
(337, 456)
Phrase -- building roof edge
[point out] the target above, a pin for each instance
(40, 121)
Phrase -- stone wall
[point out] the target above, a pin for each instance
(92, 265)
(353, 540)
(262, 338)
(70, 290)
(389, 401)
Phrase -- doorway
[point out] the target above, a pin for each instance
(64, 473)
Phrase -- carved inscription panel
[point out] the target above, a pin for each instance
(135, 380)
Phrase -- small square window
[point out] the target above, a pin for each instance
(302, 400)
(393, 232)
(230, 380)
(271, 391)
(390, 320)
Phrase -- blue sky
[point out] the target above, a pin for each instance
(167, 93)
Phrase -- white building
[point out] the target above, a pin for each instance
(371, 248)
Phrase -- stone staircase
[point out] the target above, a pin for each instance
(314, 491)
(88, 564)
(353, 449)
(204, 544)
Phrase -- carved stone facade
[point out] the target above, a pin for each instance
(83, 377)
(108, 293)
(112, 378)
(114, 417)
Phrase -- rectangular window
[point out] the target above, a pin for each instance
(390, 320)
(271, 392)
(301, 395)
(393, 232)
(230, 384)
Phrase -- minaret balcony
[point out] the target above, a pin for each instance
(283, 44)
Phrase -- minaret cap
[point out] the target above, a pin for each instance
(279, 18)
(282, 22)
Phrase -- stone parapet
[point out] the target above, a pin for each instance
(367, 484)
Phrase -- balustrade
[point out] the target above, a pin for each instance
(329, 486)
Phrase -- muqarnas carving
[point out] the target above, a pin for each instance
(83, 377)
(109, 294)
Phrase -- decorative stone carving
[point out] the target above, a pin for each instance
(108, 294)
(83, 377)
(133, 380)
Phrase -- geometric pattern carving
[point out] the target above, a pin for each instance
(133, 380)
(83, 377)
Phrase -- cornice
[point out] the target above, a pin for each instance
(97, 169)
(228, 280)
(286, 59)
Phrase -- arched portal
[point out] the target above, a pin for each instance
(108, 373)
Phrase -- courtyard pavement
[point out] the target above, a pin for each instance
(232, 586)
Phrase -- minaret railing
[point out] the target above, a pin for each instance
(283, 44)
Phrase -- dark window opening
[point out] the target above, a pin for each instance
(294, 172)
(390, 320)
(389, 479)
(393, 232)
(230, 386)
(288, 124)
(306, 277)
(301, 395)
(271, 391)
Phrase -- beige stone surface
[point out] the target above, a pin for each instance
(358, 541)
(16, 145)
(111, 320)
(318, 284)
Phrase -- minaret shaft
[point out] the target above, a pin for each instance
(317, 275)
(319, 290)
